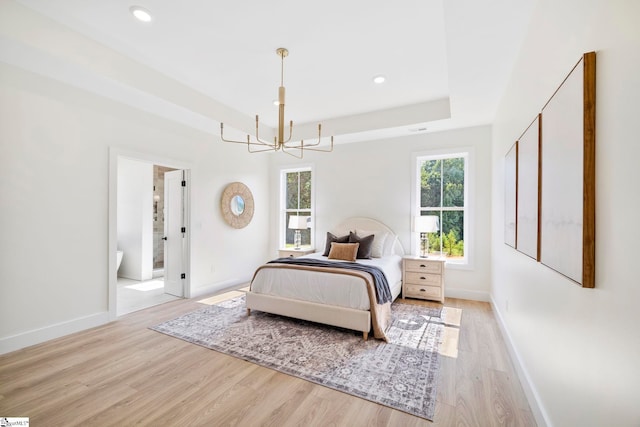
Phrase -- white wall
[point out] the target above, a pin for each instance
(373, 179)
(578, 348)
(55, 144)
(135, 218)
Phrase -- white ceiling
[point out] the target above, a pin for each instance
(435, 54)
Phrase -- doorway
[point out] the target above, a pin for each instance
(158, 218)
(152, 260)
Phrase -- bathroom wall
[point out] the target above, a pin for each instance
(158, 215)
(135, 219)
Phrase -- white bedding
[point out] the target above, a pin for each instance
(327, 288)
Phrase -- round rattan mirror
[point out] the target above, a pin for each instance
(237, 205)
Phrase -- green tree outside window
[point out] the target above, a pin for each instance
(297, 202)
(442, 193)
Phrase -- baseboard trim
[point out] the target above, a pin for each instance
(467, 294)
(542, 419)
(37, 336)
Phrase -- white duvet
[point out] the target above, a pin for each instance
(327, 288)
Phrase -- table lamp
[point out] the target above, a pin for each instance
(425, 224)
(297, 223)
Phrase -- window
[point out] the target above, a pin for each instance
(296, 200)
(442, 192)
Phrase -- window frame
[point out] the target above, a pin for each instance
(282, 208)
(417, 158)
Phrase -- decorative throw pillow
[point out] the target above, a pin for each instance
(377, 248)
(332, 238)
(343, 251)
(364, 251)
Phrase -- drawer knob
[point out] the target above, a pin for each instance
(422, 290)
(422, 265)
(422, 278)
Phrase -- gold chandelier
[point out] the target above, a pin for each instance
(279, 143)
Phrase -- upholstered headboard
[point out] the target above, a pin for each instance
(369, 224)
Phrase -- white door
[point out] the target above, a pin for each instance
(174, 232)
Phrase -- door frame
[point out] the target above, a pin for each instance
(114, 154)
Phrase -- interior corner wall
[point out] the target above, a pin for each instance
(55, 141)
(577, 349)
(64, 120)
(373, 179)
(135, 218)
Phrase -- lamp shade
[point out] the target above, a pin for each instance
(426, 223)
(297, 222)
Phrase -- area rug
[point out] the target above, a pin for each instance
(401, 374)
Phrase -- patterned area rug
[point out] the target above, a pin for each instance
(401, 374)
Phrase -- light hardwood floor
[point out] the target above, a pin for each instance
(123, 374)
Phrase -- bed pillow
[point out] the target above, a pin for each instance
(364, 251)
(377, 249)
(344, 251)
(333, 238)
(389, 244)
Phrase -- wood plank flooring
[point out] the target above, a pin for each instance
(123, 374)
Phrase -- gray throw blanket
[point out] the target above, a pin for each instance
(383, 293)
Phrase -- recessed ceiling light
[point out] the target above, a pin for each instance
(141, 13)
(379, 79)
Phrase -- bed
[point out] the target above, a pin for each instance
(333, 296)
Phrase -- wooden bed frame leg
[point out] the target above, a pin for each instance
(365, 335)
(248, 312)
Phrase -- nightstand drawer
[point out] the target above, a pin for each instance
(423, 265)
(423, 278)
(413, 278)
(425, 292)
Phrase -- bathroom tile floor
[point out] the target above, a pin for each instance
(134, 295)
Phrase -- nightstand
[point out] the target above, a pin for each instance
(423, 278)
(294, 253)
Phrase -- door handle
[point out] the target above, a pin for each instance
(164, 238)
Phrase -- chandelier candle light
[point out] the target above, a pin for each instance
(425, 224)
(279, 143)
(297, 223)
